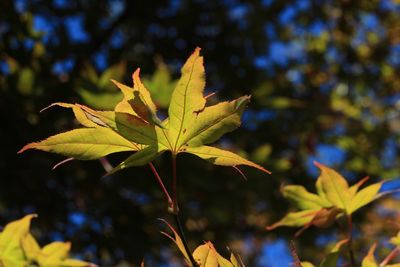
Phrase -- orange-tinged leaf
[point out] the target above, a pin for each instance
(221, 157)
(84, 143)
(369, 260)
(177, 240)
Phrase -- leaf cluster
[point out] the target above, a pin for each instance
(18, 248)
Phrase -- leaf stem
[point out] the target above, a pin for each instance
(175, 211)
(182, 235)
(160, 182)
(175, 208)
(350, 242)
(389, 257)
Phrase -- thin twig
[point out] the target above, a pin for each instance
(293, 251)
(160, 182)
(182, 235)
(350, 242)
(175, 208)
(389, 257)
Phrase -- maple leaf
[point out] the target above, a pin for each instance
(204, 255)
(334, 198)
(331, 260)
(18, 248)
(134, 126)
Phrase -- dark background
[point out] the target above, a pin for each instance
(324, 76)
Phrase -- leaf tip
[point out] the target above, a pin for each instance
(27, 147)
(197, 50)
(136, 73)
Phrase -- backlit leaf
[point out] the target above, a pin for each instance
(209, 125)
(187, 98)
(221, 157)
(295, 219)
(84, 144)
(303, 199)
(133, 125)
(369, 260)
(11, 253)
(364, 196)
(335, 187)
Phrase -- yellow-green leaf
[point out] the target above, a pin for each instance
(396, 240)
(365, 196)
(129, 126)
(11, 253)
(178, 241)
(55, 251)
(80, 115)
(335, 187)
(333, 256)
(31, 247)
(303, 199)
(187, 98)
(161, 85)
(141, 157)
(84, 143)
(144, 94)
(369, 260)
(307, 264)
(206, 256)
(213, 122)
(295, 219)
(221, 157)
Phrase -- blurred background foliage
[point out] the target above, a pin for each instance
(325, 85)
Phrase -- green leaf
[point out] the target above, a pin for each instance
(206, 256)
(335, 187)
(332, 259)
(84, 143)
(186, 99)
(190, 124)
(127, 125)
(213, 122)
(100, 100)
(142, 157)
(161, 85)
(80, 115)
(115, 71)
(11, 253)
(303, 199)
(307, 264)
(221, 157)
(334, 199)
(295, 219)
(396, 240)
(178, 241)
(31, 247)
(364, 197)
